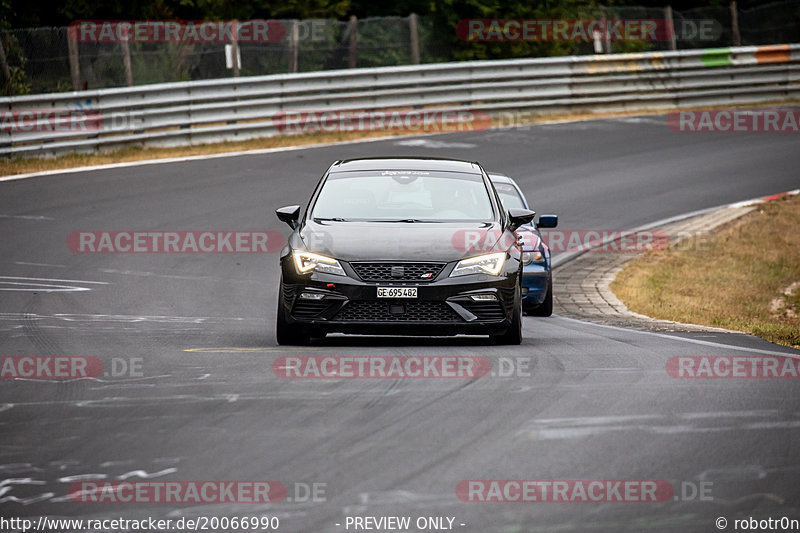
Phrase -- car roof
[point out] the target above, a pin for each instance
(496, 177)
(406, 163)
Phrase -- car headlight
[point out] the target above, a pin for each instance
(482, 264)
(307, 261)
(532, 257)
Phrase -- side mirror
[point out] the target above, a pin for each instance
(548, 221)
(289, 214)
(520, 217)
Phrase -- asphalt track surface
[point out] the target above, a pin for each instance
(597, 403)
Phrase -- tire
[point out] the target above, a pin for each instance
(513, 335)
(288, 334)
(546, 307)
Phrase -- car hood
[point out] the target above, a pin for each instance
(399, 241)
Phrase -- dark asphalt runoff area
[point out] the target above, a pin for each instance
(187, 343)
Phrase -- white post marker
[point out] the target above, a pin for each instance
(598, 43)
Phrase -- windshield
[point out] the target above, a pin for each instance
(404, 196)
(509, 195)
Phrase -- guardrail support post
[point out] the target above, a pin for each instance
(737, 38)
(126, 61)
(4, 66)
(606, 32)
(353, 42)
(412, 28)
(74, 60)
(294, 44)
(235, 48)
(673, 42)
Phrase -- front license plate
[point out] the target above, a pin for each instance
(397, 292)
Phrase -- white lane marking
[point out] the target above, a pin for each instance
(623, 419)
(144, 475)
(23, 263)
(15, 468)
(24, 284)
(684, 339)
(39, 287)
(144, 273)
(56, 280)
(425, 143)
(27, 217)
(81, 477)
(27, 501)
(578, 427)
(20, 481)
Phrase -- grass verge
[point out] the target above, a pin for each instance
(743, 277)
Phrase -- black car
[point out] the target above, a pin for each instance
(380, 250)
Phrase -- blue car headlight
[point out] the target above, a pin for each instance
(534, 256)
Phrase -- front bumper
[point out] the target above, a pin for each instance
(443, 306)
(535, 283)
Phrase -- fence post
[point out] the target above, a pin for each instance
(737, 39)
(74, 60)
(294, 38)
(124, 44)
(235, 48)
(606, 33)
(6, 70)
(673, 44)
(413, 30)
(353, 42)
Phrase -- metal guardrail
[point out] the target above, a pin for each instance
(243, 108)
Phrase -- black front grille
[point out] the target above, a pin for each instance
(378, 311)
(309, 308)
(491, 310)
(398, 271)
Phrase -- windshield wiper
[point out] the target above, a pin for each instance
(334, 219)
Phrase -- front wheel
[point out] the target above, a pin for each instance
(287, 334)
(513, 335)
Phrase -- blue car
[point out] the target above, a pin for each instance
(537, 280)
